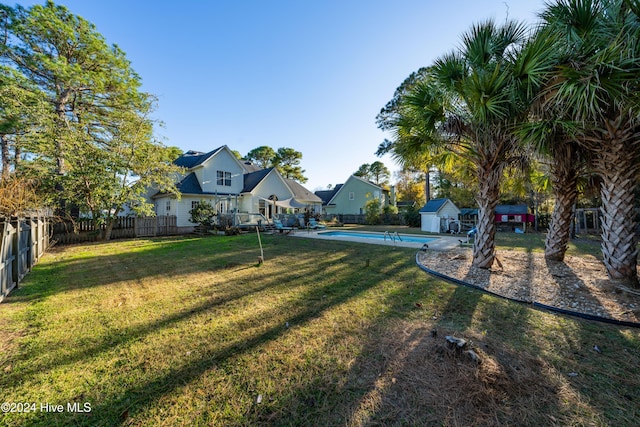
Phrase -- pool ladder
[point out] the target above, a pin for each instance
(392, 236)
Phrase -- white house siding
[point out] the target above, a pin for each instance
(272, 184)
(224, 161)
(430, 221)
(449, 211)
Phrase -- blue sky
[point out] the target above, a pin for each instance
(310, 75)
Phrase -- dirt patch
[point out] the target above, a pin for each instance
(578, 284)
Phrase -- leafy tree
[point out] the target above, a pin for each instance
(412, 217)
(375, 172)
(287, 161)
(21, 112)
(102, 181)
(408, 147)
(379, 173)
(364, 171)
(262, 156)
(88, 132)
(410, 186)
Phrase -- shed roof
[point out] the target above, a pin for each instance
(433, 205)
(512, 209)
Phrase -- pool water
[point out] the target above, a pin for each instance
(379, 236)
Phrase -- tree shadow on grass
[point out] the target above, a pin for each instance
(312, 304)
(348, 280)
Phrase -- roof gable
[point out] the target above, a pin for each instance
(348, 183)
(191, 158)
(189, 185)
(252, 179)
(327, 195)
(301, 193)
(435, 205)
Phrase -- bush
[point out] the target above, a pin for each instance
(412, 217)
(204, 214)
(18, 196)
(372, 211)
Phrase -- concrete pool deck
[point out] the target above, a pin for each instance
(440, 242)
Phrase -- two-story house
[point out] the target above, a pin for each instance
(351, 197)
(240, 191)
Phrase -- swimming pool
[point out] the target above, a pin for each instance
(411, 238)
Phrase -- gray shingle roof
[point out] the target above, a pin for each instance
(191, 159)
(190, 185)
(512, 209)
(300, 193)
(252, 179)
(327, 195)
(433, 205)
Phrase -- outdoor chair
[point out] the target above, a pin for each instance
(302, 224)
(278, 224)
(313, 224)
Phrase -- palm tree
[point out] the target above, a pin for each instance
(481, 78)
(595, 89)
(567, 162)
(411, 149)
(467, 104)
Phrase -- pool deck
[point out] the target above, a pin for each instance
(440, 242)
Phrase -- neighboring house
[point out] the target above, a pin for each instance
(241, 192)
(351, 197)
(440, 216)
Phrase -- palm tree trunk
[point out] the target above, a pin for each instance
(619, 169)
(484, 246)
(564, 176)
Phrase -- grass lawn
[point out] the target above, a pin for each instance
(192, 331)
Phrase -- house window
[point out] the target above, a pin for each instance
(224, 178)
(352, 195)
(168, 206)
(194, 204)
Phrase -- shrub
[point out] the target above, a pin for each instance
(204, 214)
(372, 211)
(412, 217)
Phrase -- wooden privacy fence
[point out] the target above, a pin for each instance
(156, 226)
(86, 230)
(22, 242)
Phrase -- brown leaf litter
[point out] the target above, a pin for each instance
(578, 284)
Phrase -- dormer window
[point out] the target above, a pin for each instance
(224, 178)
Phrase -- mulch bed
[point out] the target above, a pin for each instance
(578, 284)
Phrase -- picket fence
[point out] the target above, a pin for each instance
(22, 242)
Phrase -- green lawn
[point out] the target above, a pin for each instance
(192, 331)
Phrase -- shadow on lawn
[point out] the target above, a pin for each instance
(78, 271)
(310, 305)
(401, 374)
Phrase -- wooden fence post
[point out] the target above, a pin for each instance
(15, 268)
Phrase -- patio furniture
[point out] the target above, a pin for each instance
(278, 224)
(313, 224)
